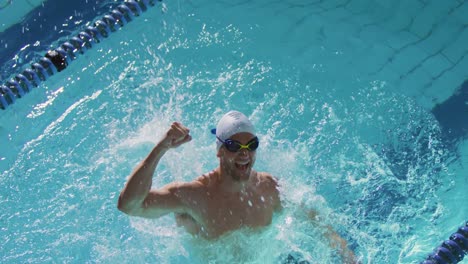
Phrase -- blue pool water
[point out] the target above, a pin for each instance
(360, 108)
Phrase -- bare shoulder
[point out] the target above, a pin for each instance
(207, 179)
(171, 198)
(183, 186)
(175, 192)
(267, 180)
(268, 185)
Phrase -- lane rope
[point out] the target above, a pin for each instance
(58, 59)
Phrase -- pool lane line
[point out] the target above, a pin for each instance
(57, 60)
(451, 251)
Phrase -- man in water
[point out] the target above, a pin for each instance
(230, 197)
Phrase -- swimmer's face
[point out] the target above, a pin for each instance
(238, 164)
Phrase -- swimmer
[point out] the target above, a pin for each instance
(228, 198)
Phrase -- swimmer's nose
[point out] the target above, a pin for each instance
(243, 152)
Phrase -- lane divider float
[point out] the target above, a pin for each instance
(451, 251)
(58, 59)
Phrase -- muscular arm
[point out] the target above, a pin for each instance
(137, 198)
(336, 241)
(138, 186)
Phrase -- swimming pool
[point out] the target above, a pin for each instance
(344, 95)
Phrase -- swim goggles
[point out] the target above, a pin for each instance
(235, 146)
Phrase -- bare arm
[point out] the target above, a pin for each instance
(336, 241)
(136, 198)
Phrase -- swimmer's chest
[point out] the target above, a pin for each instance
(235, 210)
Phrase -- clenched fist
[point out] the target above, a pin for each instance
(177, 135)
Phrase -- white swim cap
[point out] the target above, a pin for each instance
(232, 123)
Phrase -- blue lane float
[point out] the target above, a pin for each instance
(58, 59)
(451, 251)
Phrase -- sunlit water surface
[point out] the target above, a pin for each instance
(368, 157)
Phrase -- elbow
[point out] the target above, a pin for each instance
(125, 207)
(121, 206)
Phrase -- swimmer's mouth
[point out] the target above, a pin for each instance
(243, 165)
